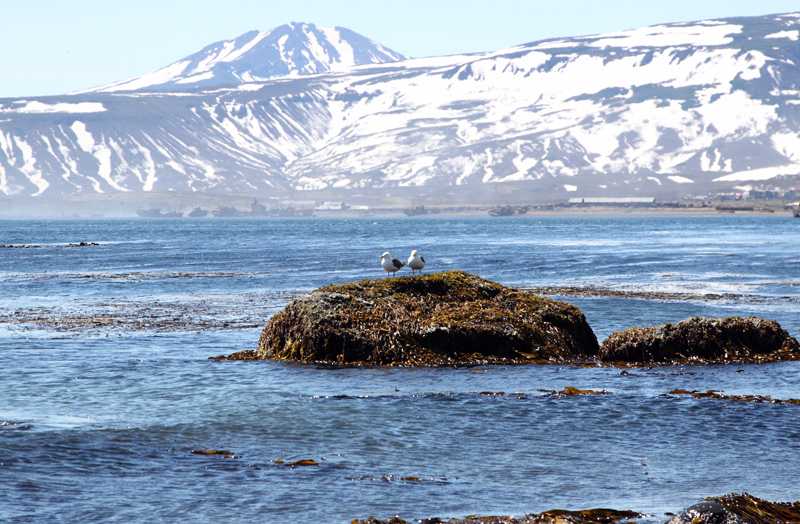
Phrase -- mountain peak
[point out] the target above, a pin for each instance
(292, 49)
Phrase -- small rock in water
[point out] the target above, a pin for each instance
(697, 339)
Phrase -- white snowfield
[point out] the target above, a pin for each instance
(35, 106)
(658, 108)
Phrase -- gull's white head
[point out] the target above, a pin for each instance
(414, 253)
(385, 254)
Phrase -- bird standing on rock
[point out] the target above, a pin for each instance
(391, 265)
(416, 262)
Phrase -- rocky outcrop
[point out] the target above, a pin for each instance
(702, 340)
(438, 319)
(707, 512)
(728, 509)
(738, 509)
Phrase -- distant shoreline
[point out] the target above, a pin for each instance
(116, 207)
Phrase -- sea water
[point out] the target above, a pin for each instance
(107, 392)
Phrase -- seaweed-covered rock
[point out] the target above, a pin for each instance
(728, 509)
(437, 319)
(753, 510)
(706, 513)
(732, 339)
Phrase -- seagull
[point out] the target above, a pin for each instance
(415, 261)
(391, 265)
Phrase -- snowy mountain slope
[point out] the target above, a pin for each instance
(668, 109)
(655, 106)
(289, 50)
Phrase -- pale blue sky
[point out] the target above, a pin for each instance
(58, 46)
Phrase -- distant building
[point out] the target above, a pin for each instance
(728, 196)
(765, 194)
(304, 204)
(607, 201)
(332, 206)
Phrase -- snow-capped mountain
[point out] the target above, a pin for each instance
(289, 50)
(669, 109)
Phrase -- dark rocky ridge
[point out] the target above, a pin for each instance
(727, 509)
(702, 340)
(438, 319)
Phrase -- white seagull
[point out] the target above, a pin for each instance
(415, 261)
(391, 265)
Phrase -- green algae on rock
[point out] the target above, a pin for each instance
(702, 340)
(437, 319)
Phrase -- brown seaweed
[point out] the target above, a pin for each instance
(714, 394)
(750, 509)
(760, 511)
(440, 319)
(700, 340)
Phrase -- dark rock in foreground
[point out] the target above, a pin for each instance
(707, 512)
(702, 340)
(728, 509)
(437, 319)
(555, 516)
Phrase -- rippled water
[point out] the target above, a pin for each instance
(107, 388)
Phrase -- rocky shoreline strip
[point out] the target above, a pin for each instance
(666, 296)
(727, 509)
(33, 246)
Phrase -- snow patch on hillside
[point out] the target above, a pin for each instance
(760, 174)
(791, 35)
(36, 107)
(699, 34)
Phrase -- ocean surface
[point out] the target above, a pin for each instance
(107, 392)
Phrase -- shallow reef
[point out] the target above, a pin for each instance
(727, 509)
(455, 318)
(438, 319)
(702, 341)
(717, 395)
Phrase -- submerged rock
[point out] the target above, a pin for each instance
(443, 318)
(732, 339)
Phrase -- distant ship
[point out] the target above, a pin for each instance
(156, 213)
(226, 211)
(292, 212)
(257, 210)
(260, 210)
(197, 212)
(420, 210)
(507, 211)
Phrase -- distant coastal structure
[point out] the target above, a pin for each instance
(507, 211)
(332, 206)
(620, 201)
(420, 210)
(157, 213)
(198, 212)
